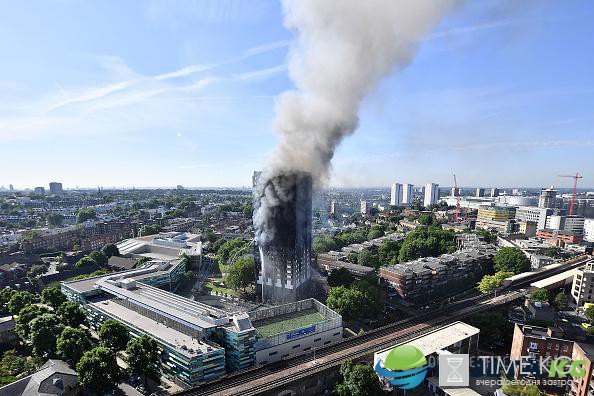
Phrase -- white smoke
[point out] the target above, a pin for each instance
(343, 49)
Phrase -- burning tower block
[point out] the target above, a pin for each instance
(284, 253)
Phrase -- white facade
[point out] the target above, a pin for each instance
(566, 223)
(333, 206)
(431, 194)
(548, 198)
(583, 283)
(396, 194)
(364, 208)
(534, 215)
(589, 230)
(480, 192)
(407, 194)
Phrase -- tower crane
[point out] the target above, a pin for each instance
(575, 180)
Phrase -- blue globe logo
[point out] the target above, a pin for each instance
(405, 366)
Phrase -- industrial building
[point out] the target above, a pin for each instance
(199, 342)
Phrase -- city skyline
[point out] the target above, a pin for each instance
(196, 105)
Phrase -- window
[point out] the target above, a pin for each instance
(306, 349)
(317, 339)
(272, 353)
(336, 334)
(326, 342)
(296, 346)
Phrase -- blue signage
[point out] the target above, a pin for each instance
(301, 332)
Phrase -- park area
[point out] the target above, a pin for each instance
(280, 324)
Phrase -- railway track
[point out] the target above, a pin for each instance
(352, 348)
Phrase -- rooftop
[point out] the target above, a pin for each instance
(183, 343)
(436, 340)
(287, 322)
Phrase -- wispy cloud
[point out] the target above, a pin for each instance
(471, 29)
(261, 74)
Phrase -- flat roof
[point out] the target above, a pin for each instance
(287, 322)
(184, 343)
(436, 340)
(453, 391)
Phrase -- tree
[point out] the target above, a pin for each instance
(560, 301)
(5, 295)
(98, 257)
(72, 343)
(425, 219)
(114, 335)
(54, 219)
(589, 313)
(511, 260)
(368, 259)
(150, 229)
(493, 325)
(85, 262)
(340, 277)
(349, 302)
(98, 370)
(358, 380)
(230, 249)
(323, 243)
(14, 364)
(71, 314)
(143, 358)
(53, 297)
(376, 231)
(110, 250)
(84, 214)
(520, 389)
(43, 334)
(241, 274)
(353, 257)
(388, 251)
(539, 295)
(20, 300)
(26, 316)
(36, 270)
(491, 282)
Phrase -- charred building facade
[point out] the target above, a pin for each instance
(283, 256)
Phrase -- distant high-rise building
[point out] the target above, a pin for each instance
(431, 194)
(455, 191)
(480, 192)
(55, 188)
(589, 230)
(515, 191)
(396, 194)
(548, 198)
(494, 192)
(364, 207)
(407, 194)
(39, 190)
(255, 178)
(10, 188)
(333, 207)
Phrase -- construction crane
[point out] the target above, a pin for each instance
(575, 180)
(457, 193)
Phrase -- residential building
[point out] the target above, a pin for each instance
(55, 377)
(429, 276)
(589, 230)
(548, 198)
(528, 228)
(8, 334)
(333, 207)
(582, 288)
(455, 192)
(364, 207)
(407, 194)
(536, 342)
(55, 188)
(335, 260)
(583, 386)
(480, 192)
(456, 338)
(533, 215)
(396, 194)
(431, 194)
(494, 192)
(574, 224)
(39, 190)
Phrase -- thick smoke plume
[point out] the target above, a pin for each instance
(343, 49)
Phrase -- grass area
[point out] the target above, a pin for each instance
(280, 324)
(211, 284)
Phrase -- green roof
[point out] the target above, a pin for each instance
(282, 323)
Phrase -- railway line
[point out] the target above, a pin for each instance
(274, 375)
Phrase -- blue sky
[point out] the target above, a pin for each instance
(183, 92)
